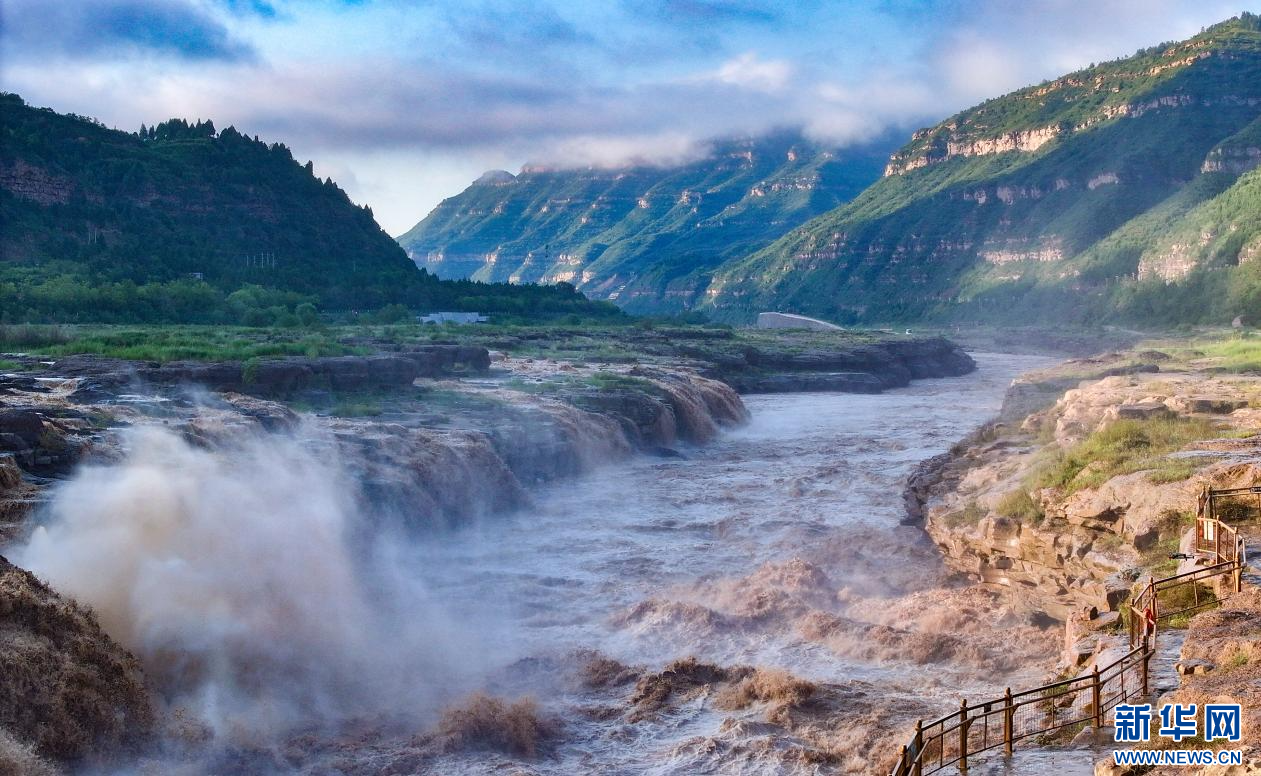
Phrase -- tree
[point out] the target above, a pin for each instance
(307, 314)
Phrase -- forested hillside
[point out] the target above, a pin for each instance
(185, 222)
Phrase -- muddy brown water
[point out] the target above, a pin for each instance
(720, 555)
(778, 545)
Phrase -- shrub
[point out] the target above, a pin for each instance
(32, 336)
(971, 514)
(1019, 505)
(249, 371)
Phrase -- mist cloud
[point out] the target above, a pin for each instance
(246, 582)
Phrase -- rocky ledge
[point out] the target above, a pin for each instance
(275, 377)
(448, 449)
(1073, 501)
(858, 368)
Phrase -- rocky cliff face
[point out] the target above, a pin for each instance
(867, 368)
(640, 236)
(1113, 192)
(1079, 542)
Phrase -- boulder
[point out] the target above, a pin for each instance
(12, 443)
(10, 473)
(1194, 667)
(1145, 410)
(23, 423)
(1208, 405)
(272, 416)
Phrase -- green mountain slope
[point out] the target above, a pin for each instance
(1110, 193)
(644, 236)
(182, 222)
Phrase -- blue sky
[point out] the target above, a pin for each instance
(404, 102)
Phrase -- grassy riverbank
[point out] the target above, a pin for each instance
(613, 343)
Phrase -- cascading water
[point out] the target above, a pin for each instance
(238, 577)
(246, 582)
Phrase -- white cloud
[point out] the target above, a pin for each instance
(748, 71)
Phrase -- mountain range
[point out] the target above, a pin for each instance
(1126, 191)
(644, 236)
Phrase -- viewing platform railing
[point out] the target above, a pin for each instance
(1054, 712)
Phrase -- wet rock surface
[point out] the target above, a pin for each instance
(68, 690)
(856, 369)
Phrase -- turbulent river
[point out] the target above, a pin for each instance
(284, 631)
(733, 556)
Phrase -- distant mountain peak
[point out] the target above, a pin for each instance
(494, 178)
(641, 234)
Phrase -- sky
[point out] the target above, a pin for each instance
(404, 102)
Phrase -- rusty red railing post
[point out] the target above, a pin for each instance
(963, 736)
(1239, 560)
(917, 757)
(1147, 656)
(1096, 697)
(1009, 719)
(900, 770)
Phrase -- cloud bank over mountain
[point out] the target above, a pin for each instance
(420, 97)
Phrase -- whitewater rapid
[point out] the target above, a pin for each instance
(646, 561)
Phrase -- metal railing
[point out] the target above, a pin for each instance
(1161, 600)
(1057, 710)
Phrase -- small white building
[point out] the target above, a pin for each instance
(460, 318)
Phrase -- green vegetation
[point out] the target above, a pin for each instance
(1173, 470)
(649, 232)
(1155, 558)
(1019, 505)
(1131, 203)
(1185, 596)
(357, 409)
(971, 514)
(173, 343)
(1238, 355)
(1121, 447)
(184, 223)
(591, 343)
(31, 336)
